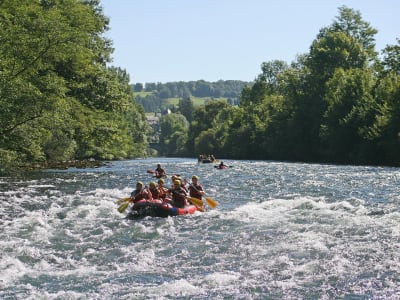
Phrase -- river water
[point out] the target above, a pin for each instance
(281, 231)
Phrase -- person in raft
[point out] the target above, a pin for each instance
(162, 191)
(179, 194)
(154, 190)
(195, 188)
(160, 172)
(157, 191)
(222, 165)
(140, 193)
(183, 184)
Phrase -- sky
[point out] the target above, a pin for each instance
(189, 40)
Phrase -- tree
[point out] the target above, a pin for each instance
(385, 132)
(351, 22)
(271, 73)
(186, 108)
(350, 113)
(391, 59)
(174, 130)
(138, 87)
(346, 44)
(58, 100)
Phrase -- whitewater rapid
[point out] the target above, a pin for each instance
(280, 230)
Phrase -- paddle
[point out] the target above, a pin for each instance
(196, 202)
(211, 202)
(123, 207)
(120, 201)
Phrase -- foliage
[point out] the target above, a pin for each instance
(58, 99)
(337, 103)
(174, 131)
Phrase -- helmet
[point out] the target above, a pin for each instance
(195, 177)
(152, 184)
(139, 182)
(161, 181)
(177, 182)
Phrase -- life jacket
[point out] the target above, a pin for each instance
(139, 195)
(195, 190)
(179, 197)
(160, 173)
(162, 192)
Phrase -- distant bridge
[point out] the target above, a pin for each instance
(155, 146)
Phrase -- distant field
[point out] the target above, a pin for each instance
(197, 101)
(142, 94)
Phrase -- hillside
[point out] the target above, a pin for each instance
(156, 97)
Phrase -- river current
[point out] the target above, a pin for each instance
(280, 231)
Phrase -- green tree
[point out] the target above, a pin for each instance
(202, 121)
(138, 87)
(56, 94)
(391, 59)
(350, 113)
(174, 132)
(186, 108)
(385, 132)
(346, 44)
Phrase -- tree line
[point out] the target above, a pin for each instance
(338, 103)
(159, 93)
(58, 98)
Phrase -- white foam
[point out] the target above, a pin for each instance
(178, 288)
(12, 269)
(220, 279)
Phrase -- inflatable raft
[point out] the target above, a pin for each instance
(158, 208)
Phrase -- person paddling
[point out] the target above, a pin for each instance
(160, 172)
(222, 165)
(154, 190)
(140, 193)
(162, 191)
(195, 188)
(179, 195)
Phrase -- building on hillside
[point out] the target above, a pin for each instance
(166, 112)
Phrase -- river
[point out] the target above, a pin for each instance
(280, 231)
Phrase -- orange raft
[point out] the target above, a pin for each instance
(158, 208)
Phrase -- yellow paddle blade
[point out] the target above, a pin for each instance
(212, 202)
(196, 201)
(120, 201)
(123, 207)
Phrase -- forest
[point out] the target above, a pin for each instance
(61, 99)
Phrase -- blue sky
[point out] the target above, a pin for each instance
(184, 40)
